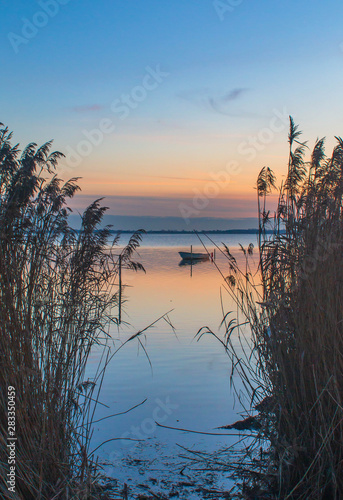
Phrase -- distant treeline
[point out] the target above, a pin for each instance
(219, 231)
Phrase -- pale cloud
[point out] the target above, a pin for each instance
(219, 102)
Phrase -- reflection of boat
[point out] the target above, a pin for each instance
(191, 262)
(194, 256)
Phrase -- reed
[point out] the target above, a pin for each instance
(58, 299)
(291, 360)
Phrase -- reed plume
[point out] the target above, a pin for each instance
(58, 299)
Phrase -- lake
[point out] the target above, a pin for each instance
(185, 382)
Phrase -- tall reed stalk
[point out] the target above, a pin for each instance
(57, 300)
(292, 364)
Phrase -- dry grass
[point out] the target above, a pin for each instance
(293, 363)
(57, 300)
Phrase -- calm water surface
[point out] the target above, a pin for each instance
(187, 384)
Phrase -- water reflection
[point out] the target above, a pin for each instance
(189, 383)
(188, 262)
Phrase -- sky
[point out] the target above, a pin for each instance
(170, 109)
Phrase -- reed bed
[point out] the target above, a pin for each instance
(291, 360)
(58, 299)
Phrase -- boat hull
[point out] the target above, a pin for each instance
(193, 256)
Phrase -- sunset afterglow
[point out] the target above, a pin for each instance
(158, 99)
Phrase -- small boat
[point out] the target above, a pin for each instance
(191, 262)
(194, 256)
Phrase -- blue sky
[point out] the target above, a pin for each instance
(226, 77)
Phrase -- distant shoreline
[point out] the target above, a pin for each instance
(212, 231)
